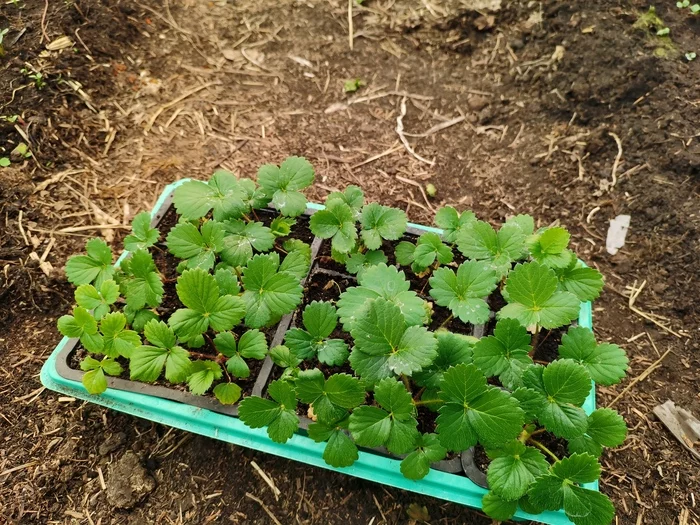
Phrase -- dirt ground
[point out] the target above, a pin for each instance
(563, 110)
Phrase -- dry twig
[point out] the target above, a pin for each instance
(264, 507)
(404, 140)
(616, 164)
(640, 377)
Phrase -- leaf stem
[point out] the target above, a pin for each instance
(406, 383)
(420, 392)
(535, 339)
(427, 402)
(444, 323)
(202, 356)
(544, 449)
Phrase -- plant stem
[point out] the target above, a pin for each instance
(544, 449)
(535, 339)
(202, 356)
(427, 402)
(420, 392)
(446, 321)
(406, 383)
(540, 431)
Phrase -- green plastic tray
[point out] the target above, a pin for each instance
(370, 466)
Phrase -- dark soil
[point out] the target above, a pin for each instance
(541, 87)
(546, 345)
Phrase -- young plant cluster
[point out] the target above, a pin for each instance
(368, 366)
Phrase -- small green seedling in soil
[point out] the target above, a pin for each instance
(352, 85)
(428, 252)
(690, 56)
(270, 290)
(283, 184)
(142, 236)
(4, 162)
(320, 320)
(36, 76)
(452, 222)
(463, 291)
(386, 282)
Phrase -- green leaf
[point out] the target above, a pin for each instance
(252, 345)
(227, 281)
(223, 194)
(452, 349)
(117, 340)
(549, 248)
(254, 198)
(463, 293)
(357, 262)
(452, 222)
(381, 222)
(142, 235)
(335, 222)
(202, 375)
(505, 353)
(242, 238)
(606, 363)
(282, 356)
(605, 428)
(147, 362)
(428, 450)
(87, 296)
(81, 322)
(386, 345)
(430, 248)
(227, 393)
(481, 242)
(388, 283)
(533, 298)
(567, 382)
(514, 468)
(296, 263)
(95, 381)
(111, 367)
(340, 450)
(278, 413)
(525, 222)
(584, 283)
(282, 226)
(269, 294)
(497, 508)
(562, 386)
(296, 245)
(95, 267)
(557, 489)
(578, 468)
(197, 249)
(404, 253)
(393, 425)
(144, 287)
(199, 292)
(352, 196)
(282, 184)
(320, 319)
(330, 398)
(474, 411)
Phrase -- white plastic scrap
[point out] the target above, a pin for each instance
(617, 233)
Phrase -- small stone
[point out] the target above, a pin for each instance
(516, 43)
(477, 102)
(128, 483)
(112, 443)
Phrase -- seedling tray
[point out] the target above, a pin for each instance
(206, 416)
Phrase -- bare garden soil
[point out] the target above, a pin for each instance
(562, 110)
